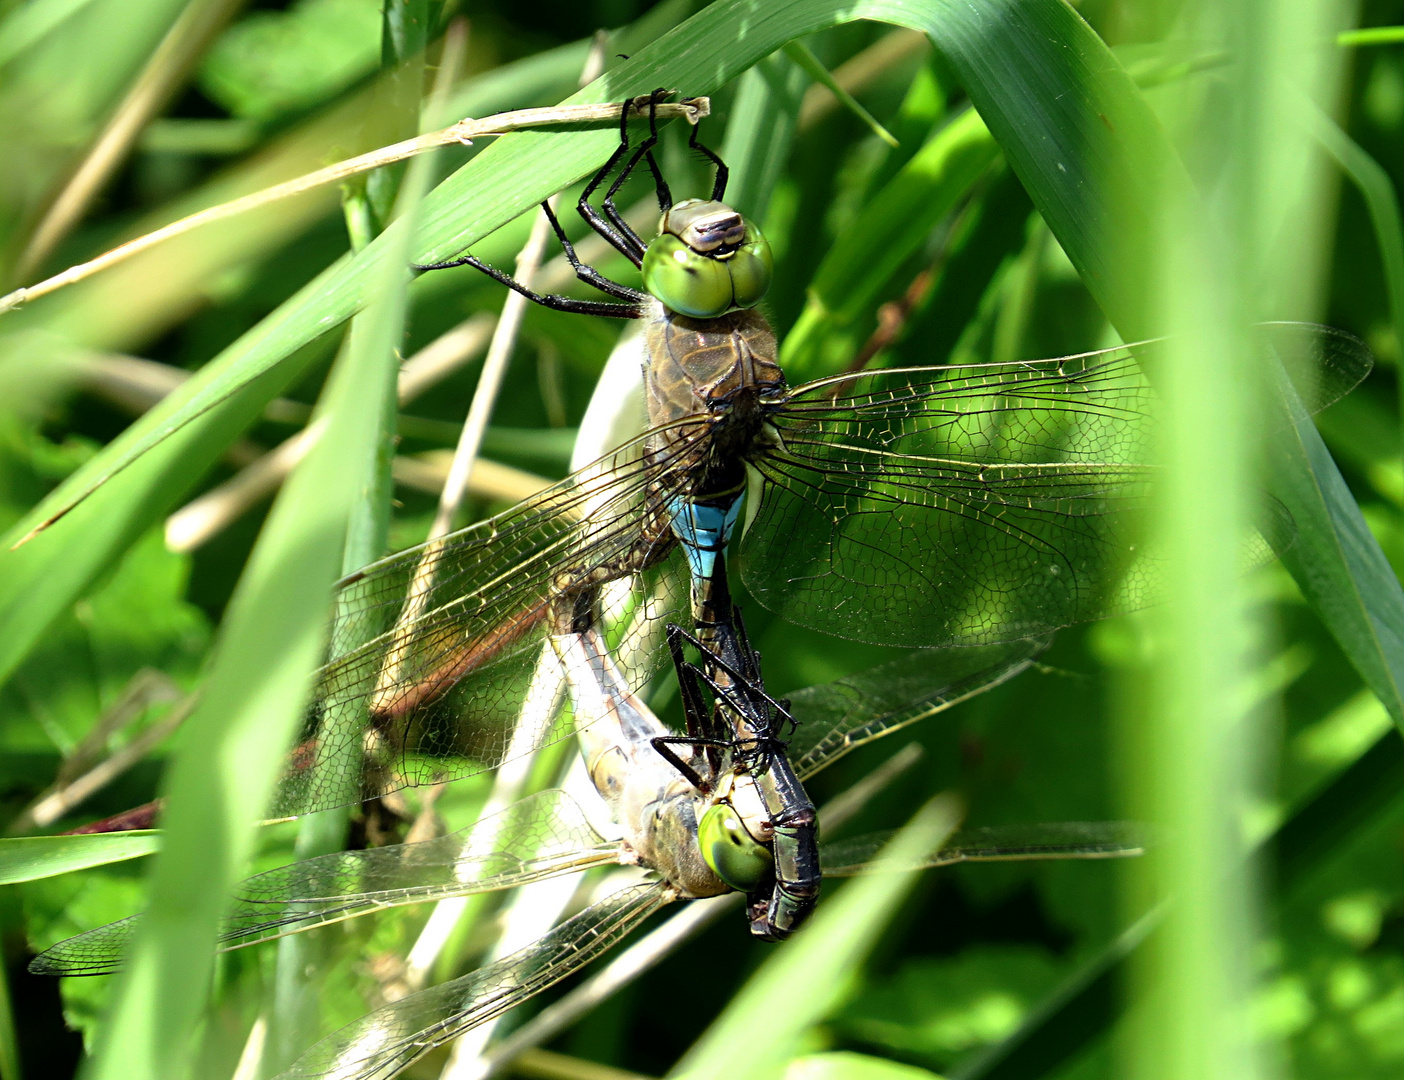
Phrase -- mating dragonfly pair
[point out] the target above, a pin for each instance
(979, 505)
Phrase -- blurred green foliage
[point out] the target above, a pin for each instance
(972, 271)
(276, 62)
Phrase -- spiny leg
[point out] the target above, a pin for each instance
(634, 300)
(747, 693)
(723, 173)
(695, 710)
(549, 300)
(660, 186)
(625, 241)
(584, 271)
(663, 744)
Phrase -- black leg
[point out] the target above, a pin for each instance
(631, 249)
(691, 775)
(645, 150)
(746, 683)
(784, 716)
(719, 184)
(660, 186)
(550, 300)
(587, 273)
(664, 743)
(694, 708)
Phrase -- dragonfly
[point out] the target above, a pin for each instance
(952, 505)
(670, 810)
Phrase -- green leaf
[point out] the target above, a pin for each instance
(28, 858)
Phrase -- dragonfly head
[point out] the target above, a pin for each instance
(729, 844)
(707, 260)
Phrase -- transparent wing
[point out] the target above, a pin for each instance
(379, 1045)
(538, 837)
(979, 503)
(955, 505)
(996, 843)
(437, 649)
(100, 951)
(840, 716)
(1323, 363)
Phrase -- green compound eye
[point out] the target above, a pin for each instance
(730, 851)
(751, 267)
(702, 287)
(686, 282)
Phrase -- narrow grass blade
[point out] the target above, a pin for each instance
(270, 645)
(28, 858)
(805, 59)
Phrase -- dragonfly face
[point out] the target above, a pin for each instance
(707, 260)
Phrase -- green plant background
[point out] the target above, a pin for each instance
(1029, 221)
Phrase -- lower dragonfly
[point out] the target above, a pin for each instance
(695, 820)
(931, 506)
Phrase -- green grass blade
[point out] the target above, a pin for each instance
(1371, 35)
(1339, 565)
(271, 643)
(805, 59)
(29, 858)
(1382, 201)
(23, 27)
(759, 133)
(108, 41)
(1088, 1003)
(890, 229)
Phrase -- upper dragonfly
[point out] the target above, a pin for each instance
(932, 506)
(695, 820)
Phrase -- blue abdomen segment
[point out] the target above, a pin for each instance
(704, 527)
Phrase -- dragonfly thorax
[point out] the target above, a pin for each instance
(707, 260)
